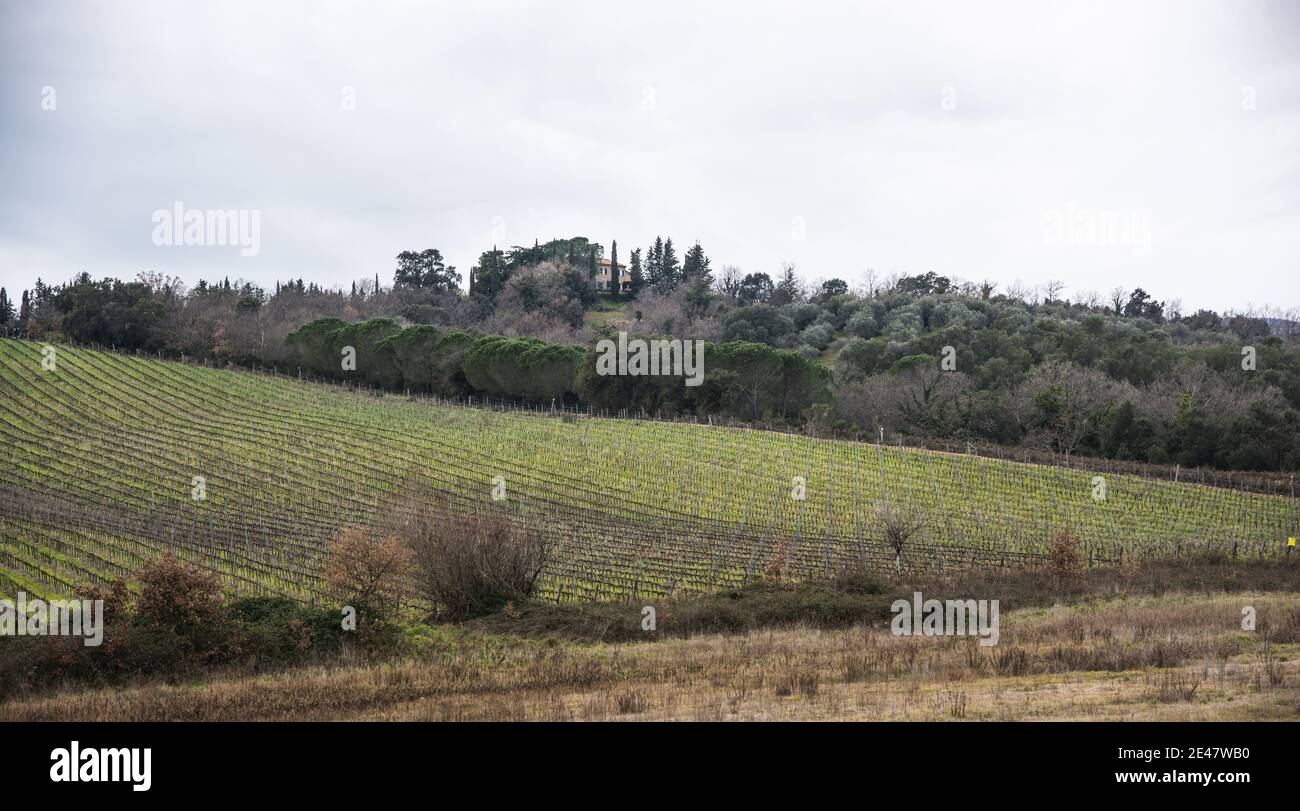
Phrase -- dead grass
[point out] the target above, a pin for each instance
(1176, 657)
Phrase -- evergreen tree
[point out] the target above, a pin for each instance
(425, 269)
(1141, 305)
(636, 273)
(755, 288)
(489, 275)
(669, 268)
(696, 265)
(41, 295)
(654, 269)
(613, 270)
(787, 289)
(25, 311)
(699, 294)
(523, 257)
(6, 309)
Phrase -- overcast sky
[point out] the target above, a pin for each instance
(972, 139)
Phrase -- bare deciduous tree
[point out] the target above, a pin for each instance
(468, 563)
(1056, 402)
(1118, 296)
(898, 524)
(728, 281)
(1018, 291)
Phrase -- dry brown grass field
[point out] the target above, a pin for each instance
(1178, 657)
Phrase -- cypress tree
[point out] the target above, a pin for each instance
(613, 270)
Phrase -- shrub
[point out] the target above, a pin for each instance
(183, 602)
(179, 626)
(818, 336)
(368, 574)
(472, 563)
(776, 566)
(1064, 557)
(116, 598)
(279, 630)
(856, 578)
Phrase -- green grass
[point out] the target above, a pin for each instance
(100, 454)
(605, 304)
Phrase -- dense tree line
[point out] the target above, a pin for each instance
(1121, 375)
(742, 380)
(1123, 382)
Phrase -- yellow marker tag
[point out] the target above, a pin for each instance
(1290, 541)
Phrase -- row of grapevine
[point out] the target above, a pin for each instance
(104, 453)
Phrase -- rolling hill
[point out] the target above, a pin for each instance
(104, 455)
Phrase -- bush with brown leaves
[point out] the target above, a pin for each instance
(185, 602)
(1065, 557)
(367, 573)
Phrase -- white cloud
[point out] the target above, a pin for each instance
(719, 122)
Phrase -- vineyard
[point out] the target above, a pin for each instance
(110, 460)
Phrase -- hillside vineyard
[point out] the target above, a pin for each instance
(113, 459)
